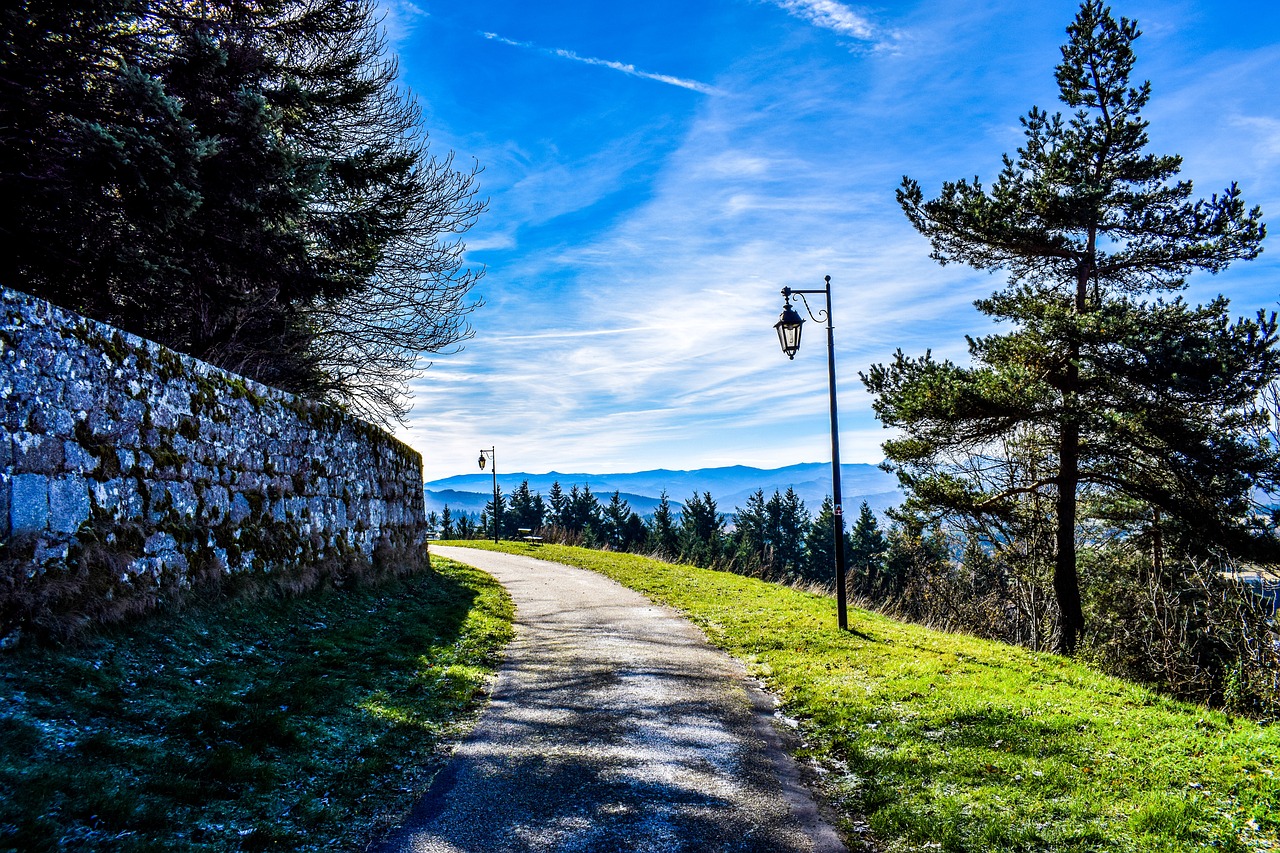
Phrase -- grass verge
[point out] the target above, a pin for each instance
(934, 741)
(308, 724)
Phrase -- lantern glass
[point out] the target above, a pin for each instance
(788, 329)
(481, 461)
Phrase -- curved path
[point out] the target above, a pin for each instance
(613, 726)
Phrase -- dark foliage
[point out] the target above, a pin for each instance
(242, 182)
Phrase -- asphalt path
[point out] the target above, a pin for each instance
(613, 726)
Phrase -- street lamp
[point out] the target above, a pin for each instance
(497, 512)
(788, 329)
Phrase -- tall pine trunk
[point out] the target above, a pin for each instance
(1066, 582)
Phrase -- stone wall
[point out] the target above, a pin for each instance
(133, 475)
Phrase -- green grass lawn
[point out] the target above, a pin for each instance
(309, 724)
(946, 742)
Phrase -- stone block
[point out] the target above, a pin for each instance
(80, 395)
(164, 417)
(36, 454)
(29, 503)
(216, 498)
(240, 508)
(182, 497)
(118, 497)
(68, 503)
(133, 411)
(159, 543)
(102, 421)
(77, 460)
(105, 494)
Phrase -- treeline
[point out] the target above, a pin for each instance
(244, 182)
(1189, 627)
(775, 538)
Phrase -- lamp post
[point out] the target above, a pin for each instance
(497, 512)
(788, 329)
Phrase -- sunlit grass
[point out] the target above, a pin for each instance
(946, 742)
(299, 725)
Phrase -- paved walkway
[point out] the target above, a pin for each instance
(613, 727)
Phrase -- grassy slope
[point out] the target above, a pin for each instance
(298, 725)
(947, 742)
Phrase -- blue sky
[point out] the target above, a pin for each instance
(658, 171)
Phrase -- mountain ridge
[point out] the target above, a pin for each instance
(730, 486)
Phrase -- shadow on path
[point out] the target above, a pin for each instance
(614, 726)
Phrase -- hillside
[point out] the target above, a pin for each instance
(925, 740)
(730, 486)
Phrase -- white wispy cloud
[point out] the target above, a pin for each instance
(400, 18)
(838, 18)
(624, 67)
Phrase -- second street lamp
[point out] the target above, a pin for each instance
(497, 513)
(788, 329)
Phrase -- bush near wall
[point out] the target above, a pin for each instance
(132, 477)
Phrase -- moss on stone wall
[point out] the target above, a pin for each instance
(133, 475)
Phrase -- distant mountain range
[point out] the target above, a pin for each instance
(729, 486)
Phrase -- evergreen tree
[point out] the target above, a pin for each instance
(495, 513)
(788, 524)
(769, 536)
(557, 506)
(635, 531)
(866, 551)
(446, 523)
(663, 539)
(98, 171)
(525, 511)
(245, 182)
(1146, 399)
(915, 556)
(751, 540)
(701, 531)
(819, 545)
(980, 571)
(583, 512)
(620, 525)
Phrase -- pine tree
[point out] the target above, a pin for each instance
(496, 514)
(525, 509)
(619, 524)
(752, 543)
(98, 170)
(557, 506)
(1147, 399)
(788, 523)
(583, 512)
(701, 531)
(820, 547)
(867, 548)
(663, 539)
